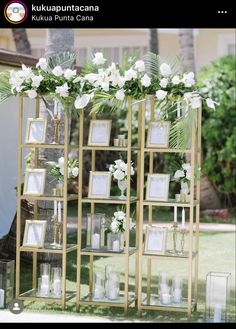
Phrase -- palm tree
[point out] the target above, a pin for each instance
(21, 41)
(153, 41)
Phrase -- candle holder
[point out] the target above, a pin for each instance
(182, 231)
(57, 233)
(174, 236)
(57, 130)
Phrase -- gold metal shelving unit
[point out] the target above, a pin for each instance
(66, 248)
(126, 298)
(191, 257)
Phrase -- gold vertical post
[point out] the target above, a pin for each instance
(18, 218)
(191, 215)
(141, 195)
(198, 204)
(81, 132)
(65, 188)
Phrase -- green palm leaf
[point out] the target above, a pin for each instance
(5, 87)
(152, 63)
(65, 60)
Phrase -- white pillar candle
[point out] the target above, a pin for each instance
(59, 211)
(57, 287)
(2, 295)
(165, 298)
(44, 289)
(45, 279)
(55, 208)
(177, 295)
(96, 241)
(112, 293)
(175, 214)
(183, 218)
(116, 245)
(55, 108)
(98, 292)
(217, 313)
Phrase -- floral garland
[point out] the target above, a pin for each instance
(105, 83)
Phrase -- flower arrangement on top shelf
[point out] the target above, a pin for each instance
(183, 176)
(57, 171)
(119, 172)
(115, 229)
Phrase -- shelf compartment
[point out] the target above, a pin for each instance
(88, 300)
(155, 304)
(166, 150)
(105, 252)
(169, 203)
(49, 249)
(167, 255)
(109, 148)
(69, 197)
(31, 295)
(49, 146)
(111, 200)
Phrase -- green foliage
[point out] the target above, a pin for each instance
(5, 87)
(219, 126)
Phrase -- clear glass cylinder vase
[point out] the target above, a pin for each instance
(115, 241)
(177, 290)
(122, 184)
(59, 188)
(45, 283)
(56, 281)
(113, 285)
(7, 272)
(95, 230)
(98, 285)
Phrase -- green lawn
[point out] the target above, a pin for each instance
(217, 253)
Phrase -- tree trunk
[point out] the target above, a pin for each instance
(153, 42)
(21, 41)
(186, 43)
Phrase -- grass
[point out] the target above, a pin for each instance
(217, 253)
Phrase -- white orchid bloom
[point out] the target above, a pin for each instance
(176, 80)
(75, 171)
(68, 74)
(57, 71)
(161, 94)
(211, 103)
(146, 81)
(179, 174)
(114, 226)
(163, 82)
(99, 59)
(36, 80)
(139, 66)
(118, 164)
(42, 63)
(130, 74)
(186, 166)
(63, 90)
(195, 102)
(91, 77)
(120, 95)
(31, 93)
(82, 102)
(188, 79)
(165, 70)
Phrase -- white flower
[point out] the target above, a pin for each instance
(81, 102)
(75, 171)
(31, 93)
(111, 168)
(57, 71)
(119, 174)
(61, 163)
(195, 102)
(130, 74)
(36, 80)
(42, 63)
(63, 90)
(15, 81)
(68, 74)
(163, 82)
(120, 215)
(188, 174)
(188, 79)
(105, 85)
(211, 103)
(186, 166)
(120, 95)
(26, 72)
(91, 77)
(99, 59)
(145, 81)
(165, 70)
(78, 79)
(139, 66)
(118, 164)
(176, 80)
(179, 174)
(114, 226)
(161, 94)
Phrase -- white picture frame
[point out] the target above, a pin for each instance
(34, 234)
(36, 131)
(99, 133)
(34, 182)
(99, 185)
(158, 134)
(157, 187)
(155, 240)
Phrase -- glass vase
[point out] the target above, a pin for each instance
(98, 285)
(95, 230)
(115, 241)
(7, 270)
(184, 192)
(59, 188)
(122, 184)
(44, 283)
(113, 285)
(56, 281)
